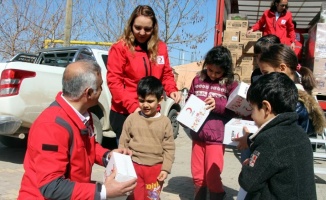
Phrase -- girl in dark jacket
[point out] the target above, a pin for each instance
(281, 58)
(213, 85)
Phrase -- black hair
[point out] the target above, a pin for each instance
(265, 42)
(150, 85)
(294, 23)
(274, 7)
(219, 56)
(276, 88)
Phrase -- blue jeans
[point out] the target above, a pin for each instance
(245, 154)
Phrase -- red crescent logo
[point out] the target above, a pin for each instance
(189, 109)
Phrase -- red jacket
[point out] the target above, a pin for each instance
(283, 27)
(59, 157)
(126, 68)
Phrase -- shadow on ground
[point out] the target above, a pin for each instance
(319, 180)
(183, 187)
(13, 155)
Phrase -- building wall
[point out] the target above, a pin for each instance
(186, 73)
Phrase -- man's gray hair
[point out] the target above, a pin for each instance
(74, 85)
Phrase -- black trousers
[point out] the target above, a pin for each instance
(116, 121)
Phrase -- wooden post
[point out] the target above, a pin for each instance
(68, 24)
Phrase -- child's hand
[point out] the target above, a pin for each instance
(210, 102)
(162, 176)
(243, 144)
(246, 162)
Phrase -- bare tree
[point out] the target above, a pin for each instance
(176, 19)
(107, 19)
(24, 25)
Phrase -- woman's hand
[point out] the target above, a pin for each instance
(249, 31)
(176, 96)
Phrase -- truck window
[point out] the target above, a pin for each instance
(60, 59)
(105, 59)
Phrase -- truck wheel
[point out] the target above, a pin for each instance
(174, 122)
(13, 142)
(97, 129)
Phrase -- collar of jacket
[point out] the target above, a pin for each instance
(72, 114)
(140, 47)
(281, 14)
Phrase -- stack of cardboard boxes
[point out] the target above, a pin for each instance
(241, 45)
(317, 55)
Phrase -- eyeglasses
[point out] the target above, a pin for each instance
(283, 5)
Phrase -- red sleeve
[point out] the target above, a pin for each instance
(261, 22)
(290, 27)
(50, 166)
(168, 81)
(115, 72)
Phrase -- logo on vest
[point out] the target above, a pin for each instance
(160, 60)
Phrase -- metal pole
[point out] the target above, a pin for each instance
(68, 23)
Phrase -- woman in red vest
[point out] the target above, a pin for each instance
(278, 21)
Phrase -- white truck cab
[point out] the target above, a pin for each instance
(26, 89)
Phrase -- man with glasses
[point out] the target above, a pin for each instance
(278, 21)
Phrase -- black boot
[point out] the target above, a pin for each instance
(200, 193)
(216, 196)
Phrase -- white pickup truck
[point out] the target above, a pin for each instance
(26, 89)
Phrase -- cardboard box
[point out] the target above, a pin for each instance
(248, 47)
(239, 25)
(237, 100)
(316, 39)
(321, 84)
(319, 66)
(320, 49)
(246, 79)
(125, 168)
(246, 70)
(231, 36)
(194, 113)
(245, 60)
(234, 60)
(237, 70)
(234, 47)
(234, 129)
(254, 36)
(237, 16)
